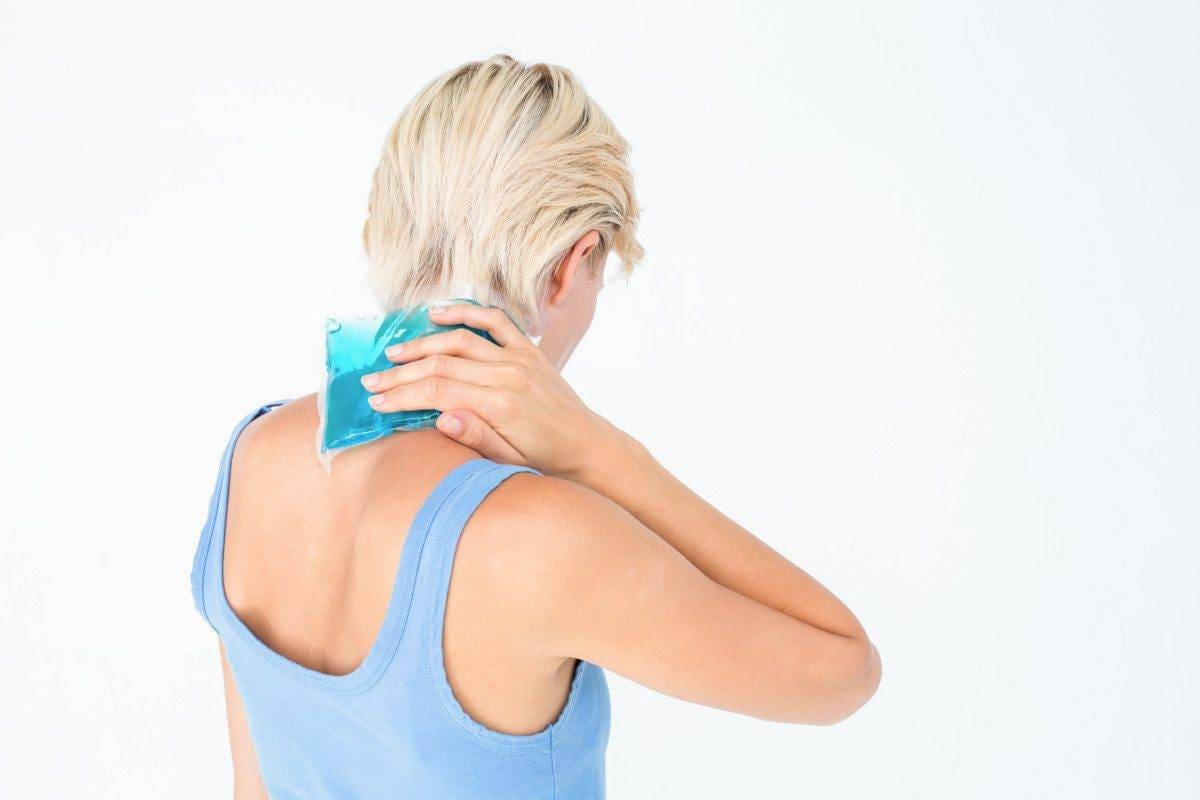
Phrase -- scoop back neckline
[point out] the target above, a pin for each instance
(383, 649)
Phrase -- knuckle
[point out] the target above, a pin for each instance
(462, 337)
(435, 388)
(438, 364)
(473, 436)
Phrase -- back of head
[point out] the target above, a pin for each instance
(488, 177)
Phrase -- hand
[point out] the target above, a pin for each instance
(505, 401)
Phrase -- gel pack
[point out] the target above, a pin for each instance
(354, 347)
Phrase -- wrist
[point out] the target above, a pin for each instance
(608, 458)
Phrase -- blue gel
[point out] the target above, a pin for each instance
(353, 348)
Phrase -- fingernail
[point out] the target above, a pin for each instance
(375, 400)
(370, 380)
(438, 310)
(450, 424)
(394, 351)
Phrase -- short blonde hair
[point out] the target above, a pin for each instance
(489, 176)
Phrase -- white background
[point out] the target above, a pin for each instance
(919, 308)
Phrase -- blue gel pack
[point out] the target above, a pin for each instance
(353, 348)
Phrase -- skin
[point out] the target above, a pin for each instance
(629, 568)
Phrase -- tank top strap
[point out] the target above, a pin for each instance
(202, 569)
(432, 589)
(468, 486)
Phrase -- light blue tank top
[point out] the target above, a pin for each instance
(393, 728)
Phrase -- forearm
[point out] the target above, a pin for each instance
(625, 472)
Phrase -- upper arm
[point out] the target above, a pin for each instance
(247, 779)
(611, 592)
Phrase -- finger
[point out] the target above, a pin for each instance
(479, 373)
(492, 320)
(466, 428)
(441, 394)
(459, 342)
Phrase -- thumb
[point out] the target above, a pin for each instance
(466, 428)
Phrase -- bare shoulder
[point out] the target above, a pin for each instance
(286, 432)
(548, 522)
(538, 547)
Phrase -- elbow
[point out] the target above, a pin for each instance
(850, 684)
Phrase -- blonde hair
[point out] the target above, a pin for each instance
(489, 176)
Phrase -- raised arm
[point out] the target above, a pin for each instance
(695, 605)
(612, 592)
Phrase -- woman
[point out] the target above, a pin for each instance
(423, 622)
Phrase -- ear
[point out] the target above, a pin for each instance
(568, 269)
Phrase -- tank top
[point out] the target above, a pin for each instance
(392, 728)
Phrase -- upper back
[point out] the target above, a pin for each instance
(310, 555)
(331, 595)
